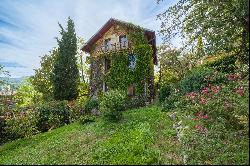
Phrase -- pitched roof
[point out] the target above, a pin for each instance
(148, 33)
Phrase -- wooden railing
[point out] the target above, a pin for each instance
(112, 47)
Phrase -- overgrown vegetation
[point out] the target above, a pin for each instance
(145, 136)
(203, 92)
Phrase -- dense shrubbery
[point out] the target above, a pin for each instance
(165, 91)
(53, 114)
(214, 125)
(90, 104)
(27, 121)
(22, 124)
(135, 102)
(112, 105)
(225, 64)
(211, 116)
(198, 78)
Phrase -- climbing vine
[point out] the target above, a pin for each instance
(120, 76)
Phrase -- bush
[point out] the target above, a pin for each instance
(112, 105)
(3, 136)
(135, 102)
(53, 114)
(91, 104)
(198, 78)
(76, 111)
(225, 64)
(22, 123)
(213, 124)
(165, 92)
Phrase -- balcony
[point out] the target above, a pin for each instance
(112, 47)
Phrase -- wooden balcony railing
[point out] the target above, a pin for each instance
(112, 47)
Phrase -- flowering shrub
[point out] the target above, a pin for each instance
(213, 122)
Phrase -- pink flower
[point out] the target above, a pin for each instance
(240, 91)
(205, 117)
(201, 128)
(215, 89)
(233, 77)
(203, 100)
(191, 96)
(200, 115)
(205, 90)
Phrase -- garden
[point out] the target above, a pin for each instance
(200, 114)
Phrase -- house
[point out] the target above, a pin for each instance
(114, 37)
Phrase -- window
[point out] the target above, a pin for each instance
(123, 41)
(131, 90)
(107, 44)
(104, 87)
(107, 64)
(132, 61)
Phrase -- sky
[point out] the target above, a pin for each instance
(28, 27)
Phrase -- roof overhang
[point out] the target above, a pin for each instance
(148, 33)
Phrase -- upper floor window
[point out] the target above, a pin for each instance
(107, 64)
(132, 61)
(123, 41)
(107, 44)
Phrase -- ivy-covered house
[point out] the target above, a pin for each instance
(122, 56)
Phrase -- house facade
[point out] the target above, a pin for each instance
(114, 37)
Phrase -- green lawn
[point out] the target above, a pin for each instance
(144, 136)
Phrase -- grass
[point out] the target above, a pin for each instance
(144, 136)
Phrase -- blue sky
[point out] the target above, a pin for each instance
(28, 27)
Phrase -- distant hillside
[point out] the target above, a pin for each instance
(14, 81)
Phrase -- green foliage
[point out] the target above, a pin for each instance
(135, 102)
(214, 124)
(90, 104)
(198, 78)
(172, 63)
(41, 81)
(27, 95)
(120, 76)
(144, 137)
(83, 93)
(165, 92)
(52, 115)
(222, 32)
(225, 64)
(112, 105)
(22, 124)
(65, 75)
(130, 146)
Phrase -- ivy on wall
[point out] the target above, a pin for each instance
(120, 76)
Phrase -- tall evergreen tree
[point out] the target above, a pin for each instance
(65, 75)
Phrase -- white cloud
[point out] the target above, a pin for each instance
(39, 24)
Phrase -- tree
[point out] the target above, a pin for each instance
(172, 62)
(65, 77)
(222, 24)
(27, 95)
(41, 81)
